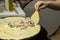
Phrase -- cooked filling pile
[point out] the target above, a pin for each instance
(22, 23)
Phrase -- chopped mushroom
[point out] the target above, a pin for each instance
(11, 24)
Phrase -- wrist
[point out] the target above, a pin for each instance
(49, 3)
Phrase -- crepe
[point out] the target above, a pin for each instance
(7, 32)
(35, 16)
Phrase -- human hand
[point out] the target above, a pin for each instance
(41, 5)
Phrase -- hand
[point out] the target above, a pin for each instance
(41, 5)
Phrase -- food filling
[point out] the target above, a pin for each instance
(22, 23)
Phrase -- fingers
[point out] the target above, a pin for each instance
(37, 5)
(40, 5)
